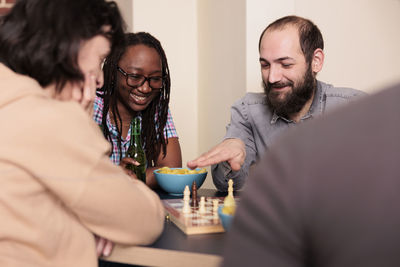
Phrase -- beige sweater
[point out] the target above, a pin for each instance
(58, 186)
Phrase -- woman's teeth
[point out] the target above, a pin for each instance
(138, 98)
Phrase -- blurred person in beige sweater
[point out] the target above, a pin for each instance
(60, 195)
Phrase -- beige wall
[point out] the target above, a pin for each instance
(212, 48)
(174, 23)
(126, 9)
(362, 40)
(222, 67)
(259, 14)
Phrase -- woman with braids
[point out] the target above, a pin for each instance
(137, 83)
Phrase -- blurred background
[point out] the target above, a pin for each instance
(212, 49)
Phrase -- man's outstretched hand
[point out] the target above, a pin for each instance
(231, 150)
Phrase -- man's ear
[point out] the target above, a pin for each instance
(317, 60)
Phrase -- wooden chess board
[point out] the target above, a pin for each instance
(194, 222)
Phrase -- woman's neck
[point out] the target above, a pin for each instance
(126, 117)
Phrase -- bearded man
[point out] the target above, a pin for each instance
(291, 55)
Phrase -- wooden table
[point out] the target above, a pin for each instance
(175, 249)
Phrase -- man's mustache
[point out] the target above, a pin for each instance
(279, 85)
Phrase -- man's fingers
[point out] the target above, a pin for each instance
(205, 159)
(214, 156)
(235, 165)
(192, 164)
(212, 159)
(230, 150)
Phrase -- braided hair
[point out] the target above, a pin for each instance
(154, 117)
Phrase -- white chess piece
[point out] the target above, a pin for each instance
(186, 192)
(215, 208)
(229, 201)
(186, 199)
(230, 188)
(202, 205)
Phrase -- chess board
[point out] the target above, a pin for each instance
(194, 222)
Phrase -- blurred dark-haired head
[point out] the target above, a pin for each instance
(41, 38)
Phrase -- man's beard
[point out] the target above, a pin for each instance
(294, 101)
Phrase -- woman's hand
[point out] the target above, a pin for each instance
(103, 246)
(85, 92)
(125, 161)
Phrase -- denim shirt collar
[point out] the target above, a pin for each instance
(315, 109)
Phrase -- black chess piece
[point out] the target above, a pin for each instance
(195, 201)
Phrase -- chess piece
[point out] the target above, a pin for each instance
(230, 188)
(195, 201)
(215, 208)
(202, 205)
(229, 201)
(186, 199)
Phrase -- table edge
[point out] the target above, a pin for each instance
(157, 257)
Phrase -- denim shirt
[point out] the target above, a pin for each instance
(254, 123)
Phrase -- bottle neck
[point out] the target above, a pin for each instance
(135, 131)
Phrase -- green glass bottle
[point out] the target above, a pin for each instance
(136, 151)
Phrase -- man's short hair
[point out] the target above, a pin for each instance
(310, 36)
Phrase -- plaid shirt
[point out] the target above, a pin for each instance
(169, 130)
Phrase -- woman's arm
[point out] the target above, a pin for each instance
(172, 159)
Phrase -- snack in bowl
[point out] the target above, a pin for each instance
(180, 170)
(174, 180)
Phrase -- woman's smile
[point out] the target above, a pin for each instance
(139, 99)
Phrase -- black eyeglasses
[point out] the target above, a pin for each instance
(137, 80)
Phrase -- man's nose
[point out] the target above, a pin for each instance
(275, 74)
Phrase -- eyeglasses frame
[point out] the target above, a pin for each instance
(146, 78)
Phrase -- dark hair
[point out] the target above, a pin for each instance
(41, 38)
(310, 36)
(152, 130)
